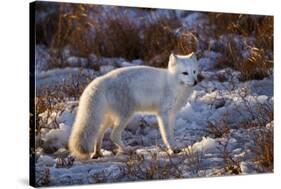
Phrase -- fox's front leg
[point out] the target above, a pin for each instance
(166, 123)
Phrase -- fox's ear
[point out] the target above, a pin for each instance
(193, 56)
(172, 62)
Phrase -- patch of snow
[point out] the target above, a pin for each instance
(62, 76)
(66, 52)
(207, 144)
(209, 59)
(58, 138)
(248, 167)
(105, 69)
(126, 64)
(67, 117)
(137, 62)
(76, 61)
(46, 160)
(106, 152)
(206, 63)
(41, 57)
(110, 61)
(150, 151)
(259, 87)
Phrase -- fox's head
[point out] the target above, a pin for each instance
(185, 68)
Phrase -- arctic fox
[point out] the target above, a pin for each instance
(110, 101)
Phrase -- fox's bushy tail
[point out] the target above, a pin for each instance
(78, 148)
(83, 138)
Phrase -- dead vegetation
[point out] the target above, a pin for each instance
(43, 177)
(264, 151)
(217, 130)
(50, 104)
(152, 38)
(258, 61)
(137, 167)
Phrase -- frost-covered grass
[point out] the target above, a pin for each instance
(226, 128)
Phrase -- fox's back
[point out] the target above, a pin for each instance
(137, 87)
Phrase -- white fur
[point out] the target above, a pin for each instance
(113, 99)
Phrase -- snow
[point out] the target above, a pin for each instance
(105, 69)
(63, 76)
(136, 62)
(67, 117)
(57, 138)
(209, 103)
(209, 59)
(206, 63)
(76, 61)
(204, 106)
(45, 160)
(247, 168)
(205, 145)
(41, 57)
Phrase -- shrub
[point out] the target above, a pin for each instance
(259, 62)
(151, 38)
(264, 150)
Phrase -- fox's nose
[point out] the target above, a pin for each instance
(195, 83)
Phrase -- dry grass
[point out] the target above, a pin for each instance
(158, 41)
(245, 25)
(44, 178)
(231, 166)
(260, 61)
(48, 102)
(264, 150)
(220, 129)
(257, 66)
(153, 37)
(142, 169)
(117, 37)
(262, 137)
(152, 40)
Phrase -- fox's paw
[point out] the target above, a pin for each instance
(96, 155)
(126, 151)
(173, 151)
(176, 151)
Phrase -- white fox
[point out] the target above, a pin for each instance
(113, 99)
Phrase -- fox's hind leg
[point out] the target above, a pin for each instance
(108, 123)
(116, 134)
(97, 152)
(97, 148)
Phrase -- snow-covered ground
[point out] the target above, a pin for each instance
(203, 152)
(216, 131)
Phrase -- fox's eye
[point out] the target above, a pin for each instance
(185, 73)
(194, 71)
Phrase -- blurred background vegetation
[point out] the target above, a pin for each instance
(151, 35)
